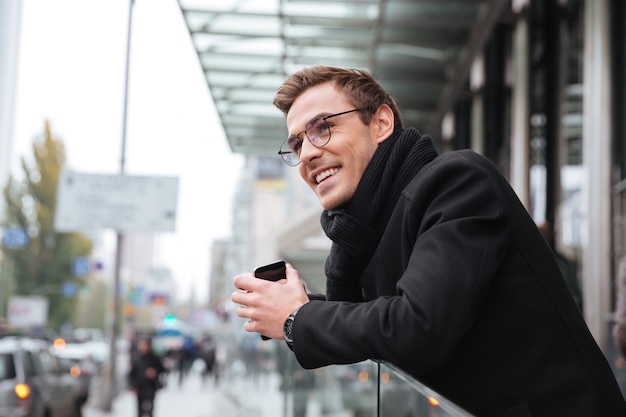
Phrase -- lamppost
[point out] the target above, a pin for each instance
(115, 321)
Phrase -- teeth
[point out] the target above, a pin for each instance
(325, 174)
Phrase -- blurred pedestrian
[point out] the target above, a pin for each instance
(188, 353)
(145, 377)
(208, 353)
(250, 354)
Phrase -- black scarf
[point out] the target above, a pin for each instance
(357, 228)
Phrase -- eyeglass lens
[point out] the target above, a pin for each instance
(318, 133)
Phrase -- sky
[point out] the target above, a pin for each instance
(71, 72)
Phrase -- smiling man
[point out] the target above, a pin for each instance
(435, 266)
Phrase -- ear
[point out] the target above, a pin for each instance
(382, 123)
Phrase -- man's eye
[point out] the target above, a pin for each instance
(321, 129)
(295, 144)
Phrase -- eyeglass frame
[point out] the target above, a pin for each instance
(281, 152)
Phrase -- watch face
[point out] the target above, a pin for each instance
(287, 328)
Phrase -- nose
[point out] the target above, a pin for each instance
(308, 152)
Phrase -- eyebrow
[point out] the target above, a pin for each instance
(318, 116)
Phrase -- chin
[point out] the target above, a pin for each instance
(334, 197)
(331, 203)
(327, 205)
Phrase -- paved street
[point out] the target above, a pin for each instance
(235, 397)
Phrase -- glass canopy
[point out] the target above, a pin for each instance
(420, 50)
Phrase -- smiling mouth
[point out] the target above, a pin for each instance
(325, 174)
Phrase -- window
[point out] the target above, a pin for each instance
(7, 366)
(49, 364)
(30, 365)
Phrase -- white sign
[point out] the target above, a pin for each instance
(28, 311)
(119, 202)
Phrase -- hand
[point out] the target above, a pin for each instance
(151, 373)
(267, 304)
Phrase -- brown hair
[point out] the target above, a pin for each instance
(359, 85)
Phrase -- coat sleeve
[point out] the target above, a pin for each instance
(132, 375)
(159, 365)
(451, 229)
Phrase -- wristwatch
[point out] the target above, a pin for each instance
(288, 328)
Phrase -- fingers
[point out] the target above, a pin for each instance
(243, 281)
(243, 296)
(265, 304)
(241, 312)
(249, 326)
(293, 277)
(239, 297)
(249, 290)
(291, 272)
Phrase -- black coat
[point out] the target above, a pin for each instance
(464, 294)
(137, 378)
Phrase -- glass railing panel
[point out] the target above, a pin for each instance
(332, 391)
(403, 396)
(365, 389)
(271, 383)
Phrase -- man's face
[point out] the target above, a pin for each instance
(334, 170)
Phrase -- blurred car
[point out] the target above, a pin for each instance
(77, 360)
(88, 334)
(32, 383)
(93, 340)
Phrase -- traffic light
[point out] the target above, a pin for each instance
(169, 320)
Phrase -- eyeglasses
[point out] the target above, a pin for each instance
(317, 132)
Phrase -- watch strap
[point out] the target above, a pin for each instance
(288, 328)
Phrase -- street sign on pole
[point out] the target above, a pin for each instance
(81, 266)
(15, 238)
(68, 289)
(120, 202)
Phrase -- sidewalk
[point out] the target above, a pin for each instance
(236, 397)
(260, 398)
